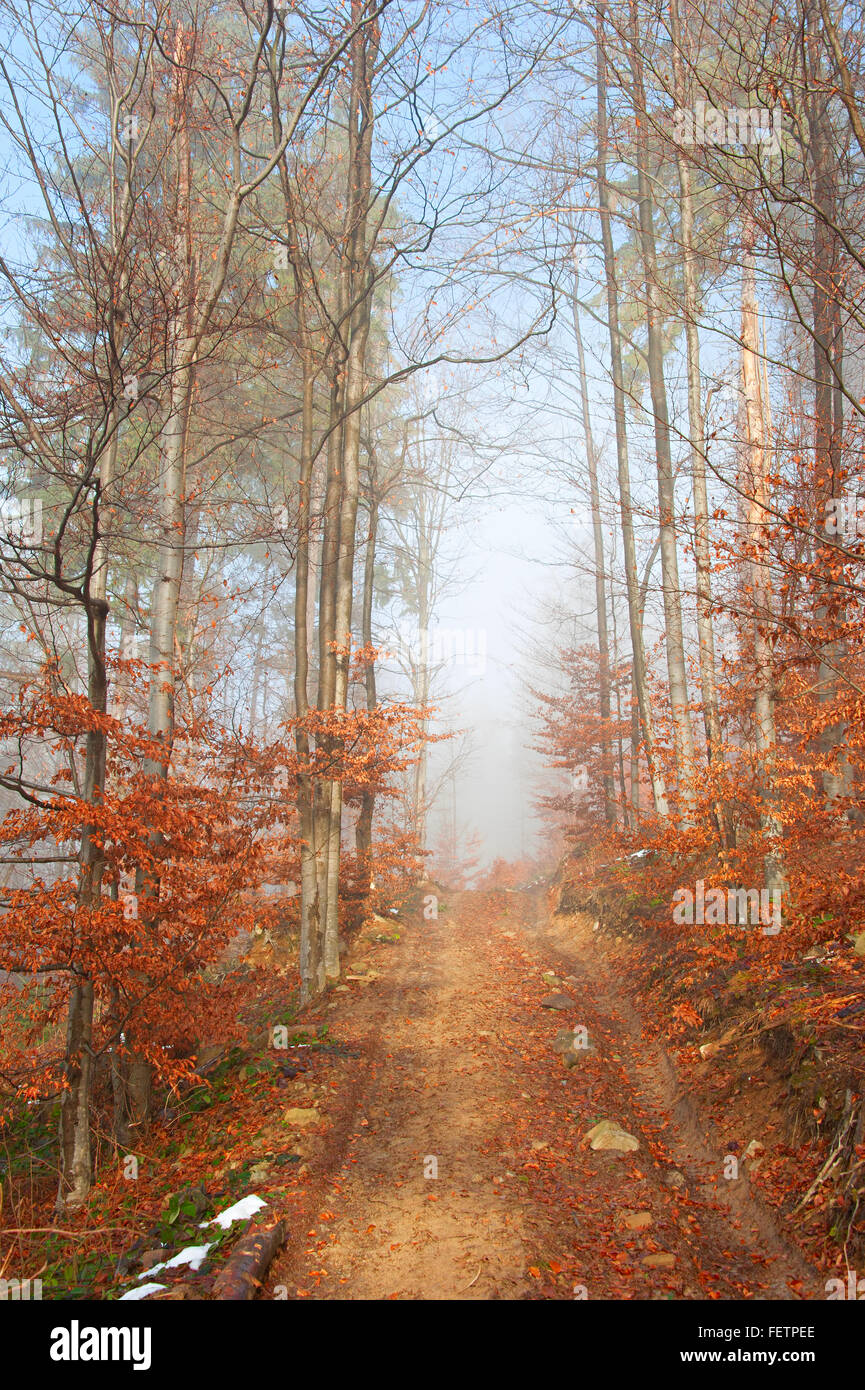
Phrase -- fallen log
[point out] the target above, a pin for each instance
(248, 1263)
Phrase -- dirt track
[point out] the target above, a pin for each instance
(458, 1077)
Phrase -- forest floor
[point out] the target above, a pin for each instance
(422, 1131)
(450, 1160)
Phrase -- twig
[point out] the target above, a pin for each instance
(57, 1231)
(833, 1159)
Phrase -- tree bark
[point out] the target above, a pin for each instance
(696, 425)
(75, 1148)
(675, 641)
(604, 701)
(827, 336)
(357, 301)
(363, 829)
(697, 442)
(659, 794)
(756, 491)
(248, 1263)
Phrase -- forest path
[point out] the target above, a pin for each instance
(457, 1078)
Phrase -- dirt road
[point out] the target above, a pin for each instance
(452, 1161)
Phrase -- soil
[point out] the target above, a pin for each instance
(451, 1160)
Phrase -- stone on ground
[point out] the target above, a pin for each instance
(636, 1220)
(557, 1001)
(300, 1116)
(610, 1135)
(659, 1261)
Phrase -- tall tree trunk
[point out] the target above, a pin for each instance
(600, 574)
(697, 433)
(75, 1101)
(422, 673)
(358, 277)
(171, 510)
(675, 641)
(75, 1149)
(659, 794)
(828, 436)
(117, 1059)
(309, 941)
(626, 800)
(311, 973)
(363, 829)
(755, 488)
(323, 786)
(256, 679)
(696, 424)
(355, 385)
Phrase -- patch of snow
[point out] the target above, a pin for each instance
(141, 1292)
(192, 1255)
(247, 1206)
